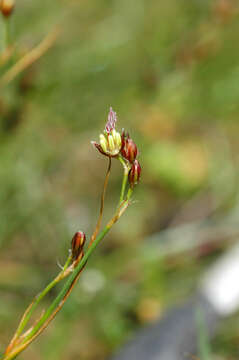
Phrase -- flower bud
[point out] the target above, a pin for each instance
(77, 244)
(7, 7)
(134, 174)
(129, 149)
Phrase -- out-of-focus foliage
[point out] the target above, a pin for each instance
(170, 70)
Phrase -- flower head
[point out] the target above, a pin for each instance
(110, 140)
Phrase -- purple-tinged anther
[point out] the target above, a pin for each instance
(110, 125)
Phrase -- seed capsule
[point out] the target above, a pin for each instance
(134, 174)
(129, 149)
(7, 7)
(77, 244)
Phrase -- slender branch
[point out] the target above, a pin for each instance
(78, 268)
(129, 193)
(73, 266)
(31, 57)
(31, 308)
(7, 32)
(66, 290)
(125, 178)
(93, 237)
(6, 55)
(53, 283)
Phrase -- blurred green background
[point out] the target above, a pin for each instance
(170, 69)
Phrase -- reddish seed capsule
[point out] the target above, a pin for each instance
(134, 174)
(7, 7)
(77, 243)
(129, 149)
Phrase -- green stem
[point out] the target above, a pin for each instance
(7, 32)
(41, 296)
(77, 270)
(68, 283)
(129, 193)
(97, 228)
(64, 293)
(125, 179)
(75, 273)
(68, 261)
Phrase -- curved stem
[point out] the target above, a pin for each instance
(31, 57)
(20, 342)
(64, 293)
(102, 204)
(53, 283)
(28, 313)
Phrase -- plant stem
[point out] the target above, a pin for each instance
(129, 193)
(31, 57)
(97, 228)
(7, 32)
(68, 283)
(61, 297)
(20, 342)
(27, 315)
(125, 179)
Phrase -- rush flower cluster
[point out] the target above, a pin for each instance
(112, 144)
(110, 141)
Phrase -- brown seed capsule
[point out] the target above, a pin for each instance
(7, 7)
(77, 244)
(128, 149)
(134, 174)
